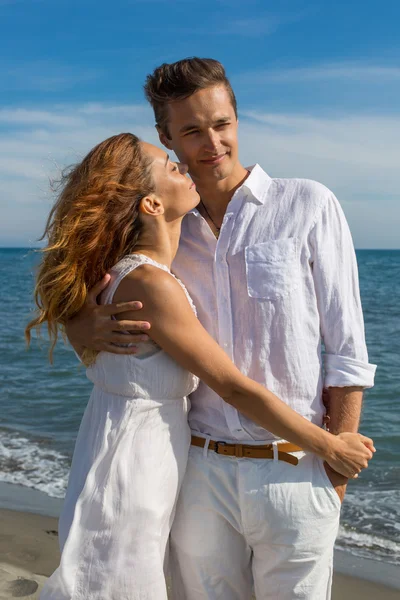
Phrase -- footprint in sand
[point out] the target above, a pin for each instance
(52, 532)
(22, 588)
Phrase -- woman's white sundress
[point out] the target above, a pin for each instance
(128, 464)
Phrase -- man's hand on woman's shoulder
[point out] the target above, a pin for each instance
(94, 328)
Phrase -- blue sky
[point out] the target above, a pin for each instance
(317, 83)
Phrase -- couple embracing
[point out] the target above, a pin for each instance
(200, 307)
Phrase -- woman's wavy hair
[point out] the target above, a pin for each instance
(92, 225)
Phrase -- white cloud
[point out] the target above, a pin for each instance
(129, 111)
(34, 117)
(249, 27)
(68, 116)
(356, 72)
(359, 141)
(36, 144)
(263, 24)
(43, 75)
(355, 155)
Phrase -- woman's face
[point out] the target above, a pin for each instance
(176, 191)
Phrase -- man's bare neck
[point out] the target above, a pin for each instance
(217, 195)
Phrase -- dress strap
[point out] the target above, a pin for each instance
(122, 268)
(130, 263)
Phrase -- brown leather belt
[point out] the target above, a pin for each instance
(246, 451)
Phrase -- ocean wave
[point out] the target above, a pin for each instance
(33, 463)
(368, 545)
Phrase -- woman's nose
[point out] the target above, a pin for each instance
(183, 168)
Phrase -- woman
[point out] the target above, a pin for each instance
(121, 210)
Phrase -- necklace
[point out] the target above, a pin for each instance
(216, 233)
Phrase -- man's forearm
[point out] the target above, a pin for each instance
(344, 412)
(344, 408)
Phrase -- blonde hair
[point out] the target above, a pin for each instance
(92, 225)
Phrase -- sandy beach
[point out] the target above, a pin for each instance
(29, 553)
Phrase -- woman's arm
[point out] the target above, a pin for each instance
(176, 329)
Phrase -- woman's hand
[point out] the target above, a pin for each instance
(350, 454)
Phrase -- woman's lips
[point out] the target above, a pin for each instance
(215, 160)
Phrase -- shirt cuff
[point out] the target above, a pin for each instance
(342, 371)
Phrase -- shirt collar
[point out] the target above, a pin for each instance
(257, 183)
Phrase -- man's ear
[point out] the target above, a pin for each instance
(151, 206)
(163, 138)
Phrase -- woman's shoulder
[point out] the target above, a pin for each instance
(149, 281)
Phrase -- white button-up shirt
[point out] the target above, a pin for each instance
(280, 281)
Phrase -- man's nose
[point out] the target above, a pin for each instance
(212, 141)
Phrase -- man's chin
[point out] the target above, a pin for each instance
(217, 173)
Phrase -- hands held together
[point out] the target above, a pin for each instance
(350, 454)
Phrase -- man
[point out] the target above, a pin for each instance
(271, 268)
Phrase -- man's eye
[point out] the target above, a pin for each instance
(174, 168)
(192, 132)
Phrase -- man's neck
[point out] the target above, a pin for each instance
(216, 195)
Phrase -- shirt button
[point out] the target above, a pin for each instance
(237, 430)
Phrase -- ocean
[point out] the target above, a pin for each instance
(41, 405)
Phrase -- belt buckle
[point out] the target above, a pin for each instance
(217, 445)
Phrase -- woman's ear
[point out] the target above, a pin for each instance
(151, 206)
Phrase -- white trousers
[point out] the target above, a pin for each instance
(244, 522)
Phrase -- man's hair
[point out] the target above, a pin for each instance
(179, 80)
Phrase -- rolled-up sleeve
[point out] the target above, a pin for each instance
(335, 275)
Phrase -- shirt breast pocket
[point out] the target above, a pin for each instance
(271, 269)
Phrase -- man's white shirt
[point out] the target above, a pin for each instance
(280, 281)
